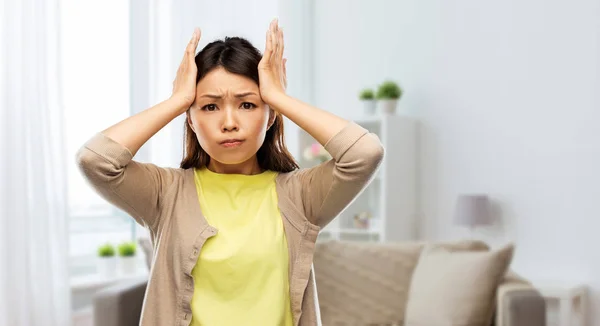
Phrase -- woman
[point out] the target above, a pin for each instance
(234, 228)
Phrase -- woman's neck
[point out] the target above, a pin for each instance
(249, 167)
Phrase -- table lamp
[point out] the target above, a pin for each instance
(473, 210)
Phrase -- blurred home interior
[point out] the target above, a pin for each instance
(488, 113)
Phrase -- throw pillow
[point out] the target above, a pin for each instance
(456, 288)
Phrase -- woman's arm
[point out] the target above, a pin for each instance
(320, 124)
(106, 160)
(136, 130)
(328, 188)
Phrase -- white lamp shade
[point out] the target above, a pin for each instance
(473, 210)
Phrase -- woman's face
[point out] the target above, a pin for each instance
(229, 117)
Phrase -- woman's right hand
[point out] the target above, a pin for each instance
(184, 85)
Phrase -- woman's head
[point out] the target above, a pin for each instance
(229, 123)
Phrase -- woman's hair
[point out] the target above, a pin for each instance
(238, 56)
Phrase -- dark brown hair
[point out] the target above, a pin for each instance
(238, 56)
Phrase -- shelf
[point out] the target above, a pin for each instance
(96, 281)
(391, 195)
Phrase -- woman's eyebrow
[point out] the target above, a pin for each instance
(240, 95)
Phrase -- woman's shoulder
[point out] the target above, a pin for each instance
(173, 177)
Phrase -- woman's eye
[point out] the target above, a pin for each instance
(209, 107)
(248, 105)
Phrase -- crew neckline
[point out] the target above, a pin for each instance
(232, 175)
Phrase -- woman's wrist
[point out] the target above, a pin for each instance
(277, 101)
(181, 104)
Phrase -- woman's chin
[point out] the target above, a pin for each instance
(232, 158)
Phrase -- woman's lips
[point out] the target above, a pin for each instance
(231, 143)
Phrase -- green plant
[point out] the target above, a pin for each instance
(106, 250)
(127, 249)
(366, 94)
(389, 90)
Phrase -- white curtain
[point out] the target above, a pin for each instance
(34, 287)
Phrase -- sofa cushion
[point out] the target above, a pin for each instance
(367, 283)
(456, 287)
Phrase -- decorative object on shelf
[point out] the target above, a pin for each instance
(127, 258)
(367, 97)
(361, 220)
(473, 210)
(316, 152)
(107, 263)
(388, 95)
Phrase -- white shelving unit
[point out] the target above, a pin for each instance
(390, 198)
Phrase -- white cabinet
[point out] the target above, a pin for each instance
(391, 197)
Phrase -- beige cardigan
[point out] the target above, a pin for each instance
(165, 201)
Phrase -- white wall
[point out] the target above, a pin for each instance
(507, 95)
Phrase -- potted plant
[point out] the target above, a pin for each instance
(127, 257)
(388, 95)
(367, 97)
(107, 264)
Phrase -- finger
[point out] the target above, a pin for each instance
(282, 43)
(193, 43)
(273, 32)
(268, 46)
(190, 49)
(279, 45)
(277, 50)
(284, 73)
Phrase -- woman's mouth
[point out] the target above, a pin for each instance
(231, 143)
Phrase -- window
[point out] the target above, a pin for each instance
(95, 68)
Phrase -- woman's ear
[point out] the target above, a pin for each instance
(272, 116)
(188, 118)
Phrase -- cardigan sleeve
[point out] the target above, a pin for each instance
(328, 188)
(134, 187)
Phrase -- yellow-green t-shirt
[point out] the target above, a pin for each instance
(241, 276)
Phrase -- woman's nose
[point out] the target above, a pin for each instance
(229, 120)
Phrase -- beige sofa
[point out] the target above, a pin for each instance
(359, 284)
(370, 284)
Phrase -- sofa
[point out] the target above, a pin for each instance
(378, 284)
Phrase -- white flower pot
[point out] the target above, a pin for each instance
(369, 106)
(127, 265)
(387, 106)
(107, 266)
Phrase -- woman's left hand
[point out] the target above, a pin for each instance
(271, 68)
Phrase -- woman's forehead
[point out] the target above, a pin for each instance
(221, 80)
